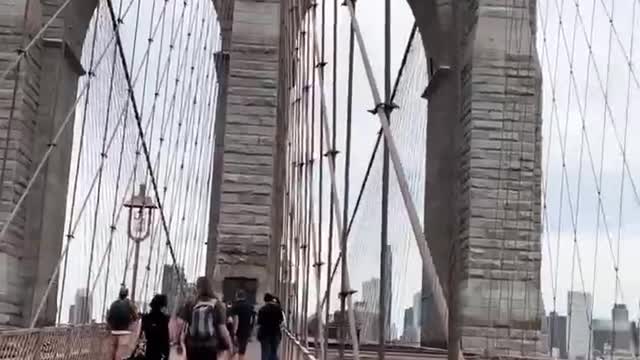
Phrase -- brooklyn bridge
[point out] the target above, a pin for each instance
(400, 175)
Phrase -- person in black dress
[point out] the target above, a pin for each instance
(155, 326)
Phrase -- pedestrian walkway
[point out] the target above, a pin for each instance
(253, 350)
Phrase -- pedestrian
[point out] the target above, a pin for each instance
(155, 326)
(122, 321)
(178, 328)
(243, 322)
(122, 312)
(228, 352)
(269, 321)
(206, 330)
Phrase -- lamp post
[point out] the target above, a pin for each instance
(140, 230)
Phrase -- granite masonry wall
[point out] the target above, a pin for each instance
(45, 80)
(483, 150)
(243, 235)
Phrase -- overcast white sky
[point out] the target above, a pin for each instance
(569, 98)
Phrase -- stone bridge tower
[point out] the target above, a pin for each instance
(34, 99)
(484, 150)
(246, 214)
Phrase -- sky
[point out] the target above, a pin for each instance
(184, 79)
(586, 94)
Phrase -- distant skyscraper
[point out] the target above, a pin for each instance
(408, 319)
(621, 327)
(371, 294)
(83, 307)
(604, 340)
(171, 284)
(579, 305)
(557, 331)
(72, 314)
(369, 310)
(417, 313)
(371, 305)
(409, 334)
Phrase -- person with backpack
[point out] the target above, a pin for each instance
(155, 326)
(270, 319)
(206, 329)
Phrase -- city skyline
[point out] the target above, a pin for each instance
(573, 336)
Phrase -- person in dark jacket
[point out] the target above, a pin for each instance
(122, 312)
(155, 326)
(243, 321)
(270, 319)
(122, 323)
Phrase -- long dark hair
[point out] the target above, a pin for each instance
(158, 302)
(204, 288)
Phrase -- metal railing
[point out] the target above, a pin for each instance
(293, 349)
(60, 343)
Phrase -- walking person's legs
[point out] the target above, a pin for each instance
(265, 349)
(275, 343)
(242, 342)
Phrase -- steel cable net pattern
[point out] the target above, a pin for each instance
(589, 57)
(405, 263)
(142, 115)
(307, 137)
(174, 80)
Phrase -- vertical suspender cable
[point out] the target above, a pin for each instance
(384, 225)
(91, 74)
(453, 329)
(344, 290)
(331, 153)
(103, 155)
(52, 114)
(321, 67)
(309, 167)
